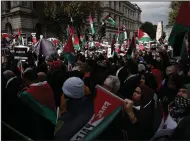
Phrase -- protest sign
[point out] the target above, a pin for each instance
(20, 52)
(106, 105)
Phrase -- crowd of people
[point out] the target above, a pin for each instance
(152, 89)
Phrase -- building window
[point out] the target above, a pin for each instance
(109, 3)
(8, 5)
(114, 5)
(24, 3)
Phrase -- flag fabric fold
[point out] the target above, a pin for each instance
(19, 37)
(117, 36)
(140, 33)
(75, 40)
(39, 97)
(124, 33)
(132, 47)
(182, 23)
(109, 19)
(68, 50)
(91, 25)
(44, 47)
(106, 107)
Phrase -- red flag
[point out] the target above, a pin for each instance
(183, 14)
(140, 33)
(19, 33)
(4, 35)
(69, 45)
(71, 30)
(76, 40)
(34, 40)
(90, 19)
(97, 44)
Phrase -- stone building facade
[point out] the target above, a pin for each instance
(124, 13)
(19, 14)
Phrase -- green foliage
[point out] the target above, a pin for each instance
(59, 13)
(150, 29)
(175, 5)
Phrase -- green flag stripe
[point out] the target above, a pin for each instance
(110, 20)
(102, 126)
(40, 109)
(177, 29)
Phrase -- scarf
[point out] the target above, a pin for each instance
(179, 110)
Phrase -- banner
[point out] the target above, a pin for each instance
(109, 55)
(159, 31)
(105, 105)
(21, 52)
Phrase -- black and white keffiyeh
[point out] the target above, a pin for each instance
(179, 110)
(182, 102)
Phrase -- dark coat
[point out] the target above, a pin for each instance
(79, 112)
(29, 123)
(56, 79)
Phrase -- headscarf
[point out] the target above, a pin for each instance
(147, 95)
(127, 89)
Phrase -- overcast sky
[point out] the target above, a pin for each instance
(154, 11)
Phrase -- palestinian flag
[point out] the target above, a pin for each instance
(83, 40)
(140, 33)
(19, 37)
(109, 19)
(132, 47)
(70, 30)
(106, 108)
(181, 26)
(76, 42)
(184, 49)
(91, 25)
(124, 32)
(4, 35)
(143, 37)
(39, 97)
(117, 36)
(97, 44)
(91, 44)
(68, 50)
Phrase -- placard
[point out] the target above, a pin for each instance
(21, 53)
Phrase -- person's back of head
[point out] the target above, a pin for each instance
(141, 68)
(8, 74)
(30, 75)
(132, 66)
(42, 76)
(112, 83)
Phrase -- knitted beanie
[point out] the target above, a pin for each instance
(74, 88)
